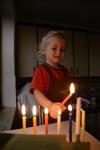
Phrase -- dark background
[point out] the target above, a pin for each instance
(74, 14)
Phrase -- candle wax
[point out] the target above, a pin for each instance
(24, 122)
(46, 124)
(35, 124)
(83, 126)
(78, 109)
(70, 126)
(58, 124)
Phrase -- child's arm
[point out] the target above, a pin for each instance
(42, 99)
(45, 102)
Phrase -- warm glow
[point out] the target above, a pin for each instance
(72, 88)
(46, 111)
(23, 110)
(69, 107)
(59, 112)
(34, 110)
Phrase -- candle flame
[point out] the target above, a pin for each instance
(59, 112)
(70, 107)
(72, 88)
(46, 111)
(34, 110)
(23, 110)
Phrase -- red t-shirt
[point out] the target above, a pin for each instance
(42, 78)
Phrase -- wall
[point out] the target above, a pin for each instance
(7, 55)
(25, 50)
(0, 63)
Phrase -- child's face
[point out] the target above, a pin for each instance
(54, 50)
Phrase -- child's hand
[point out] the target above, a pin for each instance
(62, 107)
(54, 108)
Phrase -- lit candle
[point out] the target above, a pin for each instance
(46, 120)
(70, 122)
(78, 109)
(34, 119)
(83, 125)
(23, 116)
(58, 121)
(72, 91)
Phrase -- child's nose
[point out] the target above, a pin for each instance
(58, 51)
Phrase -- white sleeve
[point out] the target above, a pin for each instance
(24, 97)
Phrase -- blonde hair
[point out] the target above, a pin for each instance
(44, 42)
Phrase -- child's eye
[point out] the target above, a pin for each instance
(62, 50)
(53, 48)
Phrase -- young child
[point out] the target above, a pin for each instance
(49, 81)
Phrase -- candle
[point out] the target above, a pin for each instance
(83, 125)
(46, 120)
(70, 122)
(23, 116)
(34, 119)
(58, 121)
(72, 91)
(78, 108)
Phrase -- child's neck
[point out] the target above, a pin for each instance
(53, 65)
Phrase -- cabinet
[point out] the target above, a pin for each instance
(93, 124)
(81, 55)
(90, 123)
(42, 32)
(80, 46)
(98, 127)
(94, 54)
(68, 58)
(25, 50)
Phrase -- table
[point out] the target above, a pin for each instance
(95, 144)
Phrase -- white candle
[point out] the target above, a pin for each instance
(58, 121)
(78, 109)
(34, 119)
(23, 116)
